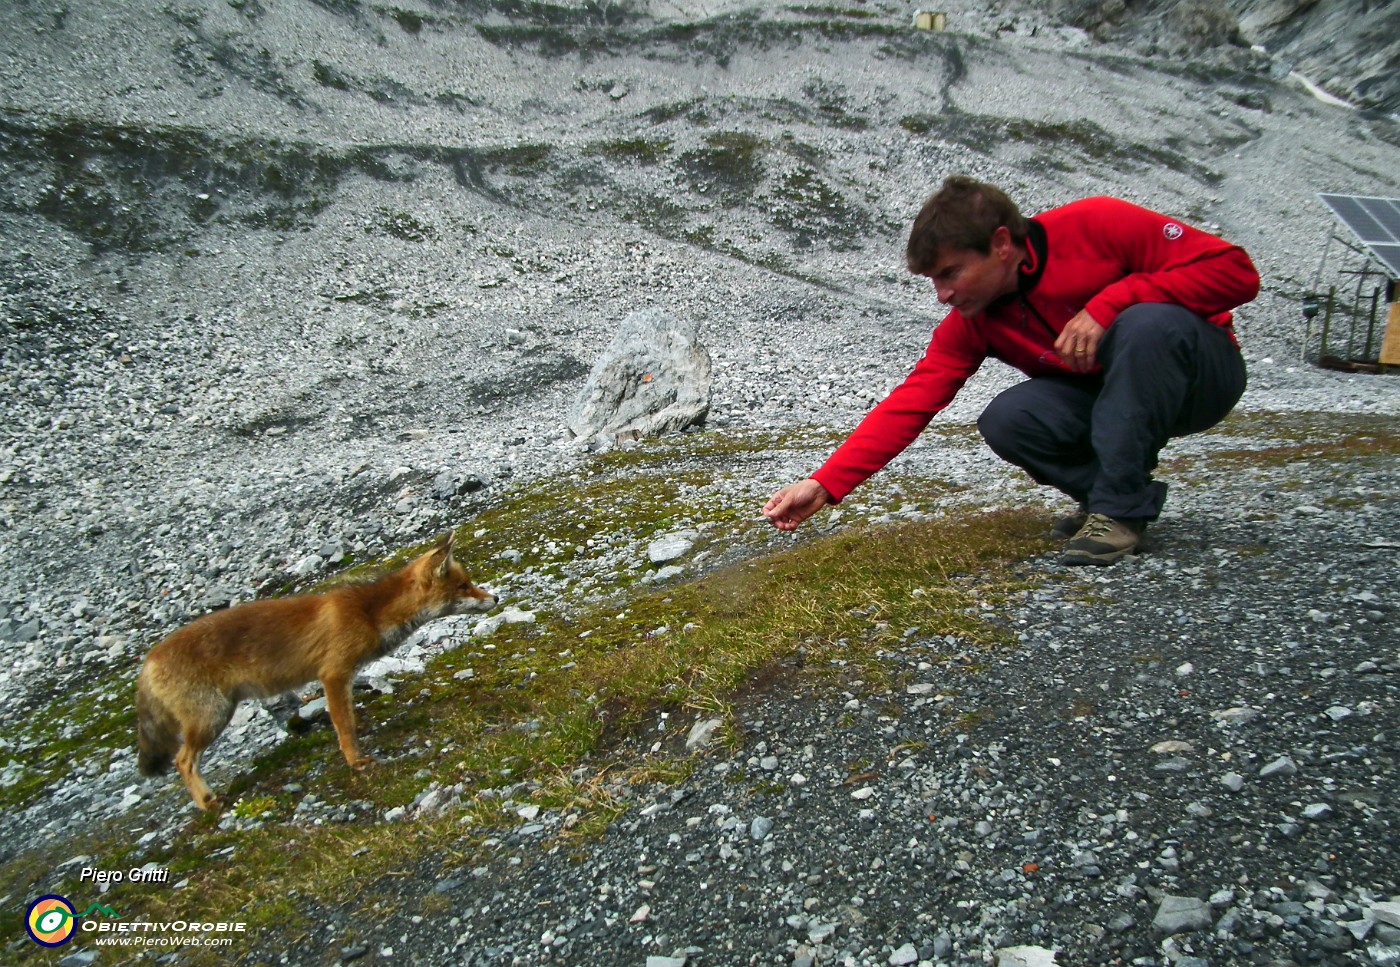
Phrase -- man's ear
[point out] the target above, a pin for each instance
(1002, 244)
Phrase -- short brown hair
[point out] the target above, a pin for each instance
(962, 214)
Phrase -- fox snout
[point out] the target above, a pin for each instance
(477, 599)
(462, 595)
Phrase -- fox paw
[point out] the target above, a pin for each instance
(361, 762)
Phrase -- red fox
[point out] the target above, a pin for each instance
(191, 682)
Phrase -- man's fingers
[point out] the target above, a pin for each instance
(775, 503)
(1078, 342)
(1076, 350)
(782, 514)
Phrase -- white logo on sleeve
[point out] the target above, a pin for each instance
(1173, 231)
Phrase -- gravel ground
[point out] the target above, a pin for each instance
(1188, 758)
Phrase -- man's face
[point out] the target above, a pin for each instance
(969, 281)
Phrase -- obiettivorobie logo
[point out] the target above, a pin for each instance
(51, 921)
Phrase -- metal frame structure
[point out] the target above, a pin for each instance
(1375, 224)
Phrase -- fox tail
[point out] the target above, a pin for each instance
(157, 737)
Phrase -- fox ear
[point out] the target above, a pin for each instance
(444, 547)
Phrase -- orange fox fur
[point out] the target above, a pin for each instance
(191, 682)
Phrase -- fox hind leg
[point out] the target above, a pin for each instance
(203, 715)
(187, 762)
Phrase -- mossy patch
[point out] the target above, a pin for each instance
(598, 31)
(1063, 145)
(730, 164)
(829, 10)
(642, 151)
(520, 161)
(411, 21)
(834, 105)
(77, 733)
(400, 225)
(1281, 439)
(692, 110)
(146, 189)
(811, 210)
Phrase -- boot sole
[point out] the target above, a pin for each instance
(1073, 558)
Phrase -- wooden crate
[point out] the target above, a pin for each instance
(1390, 346)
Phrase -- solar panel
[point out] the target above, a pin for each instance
(1386, 211)
(1375, 221)
(1390, 255)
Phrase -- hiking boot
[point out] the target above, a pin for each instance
(1103, 540)
(1067, 527)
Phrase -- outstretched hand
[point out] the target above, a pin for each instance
(795, 503)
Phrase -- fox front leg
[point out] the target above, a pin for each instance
(341, 707)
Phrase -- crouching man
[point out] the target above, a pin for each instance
(1119, 316)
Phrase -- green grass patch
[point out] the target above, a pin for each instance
(1359, 428)
(840, 598)
(827, 10)
(401, 225)
(550, 523)
(1057, 141)
(808, 208)
(549, 697)
(693, 109)
(735, 448)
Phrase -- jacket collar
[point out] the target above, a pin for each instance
(1034, 266)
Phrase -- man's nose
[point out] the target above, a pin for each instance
(944, 292)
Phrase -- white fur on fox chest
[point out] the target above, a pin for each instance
(394, 635)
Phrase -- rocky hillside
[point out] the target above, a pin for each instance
(1349, 48)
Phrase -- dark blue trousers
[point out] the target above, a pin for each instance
(1166, 372)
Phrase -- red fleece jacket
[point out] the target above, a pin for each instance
(1099, 254)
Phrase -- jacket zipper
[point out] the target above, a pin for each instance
(1026, 304)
